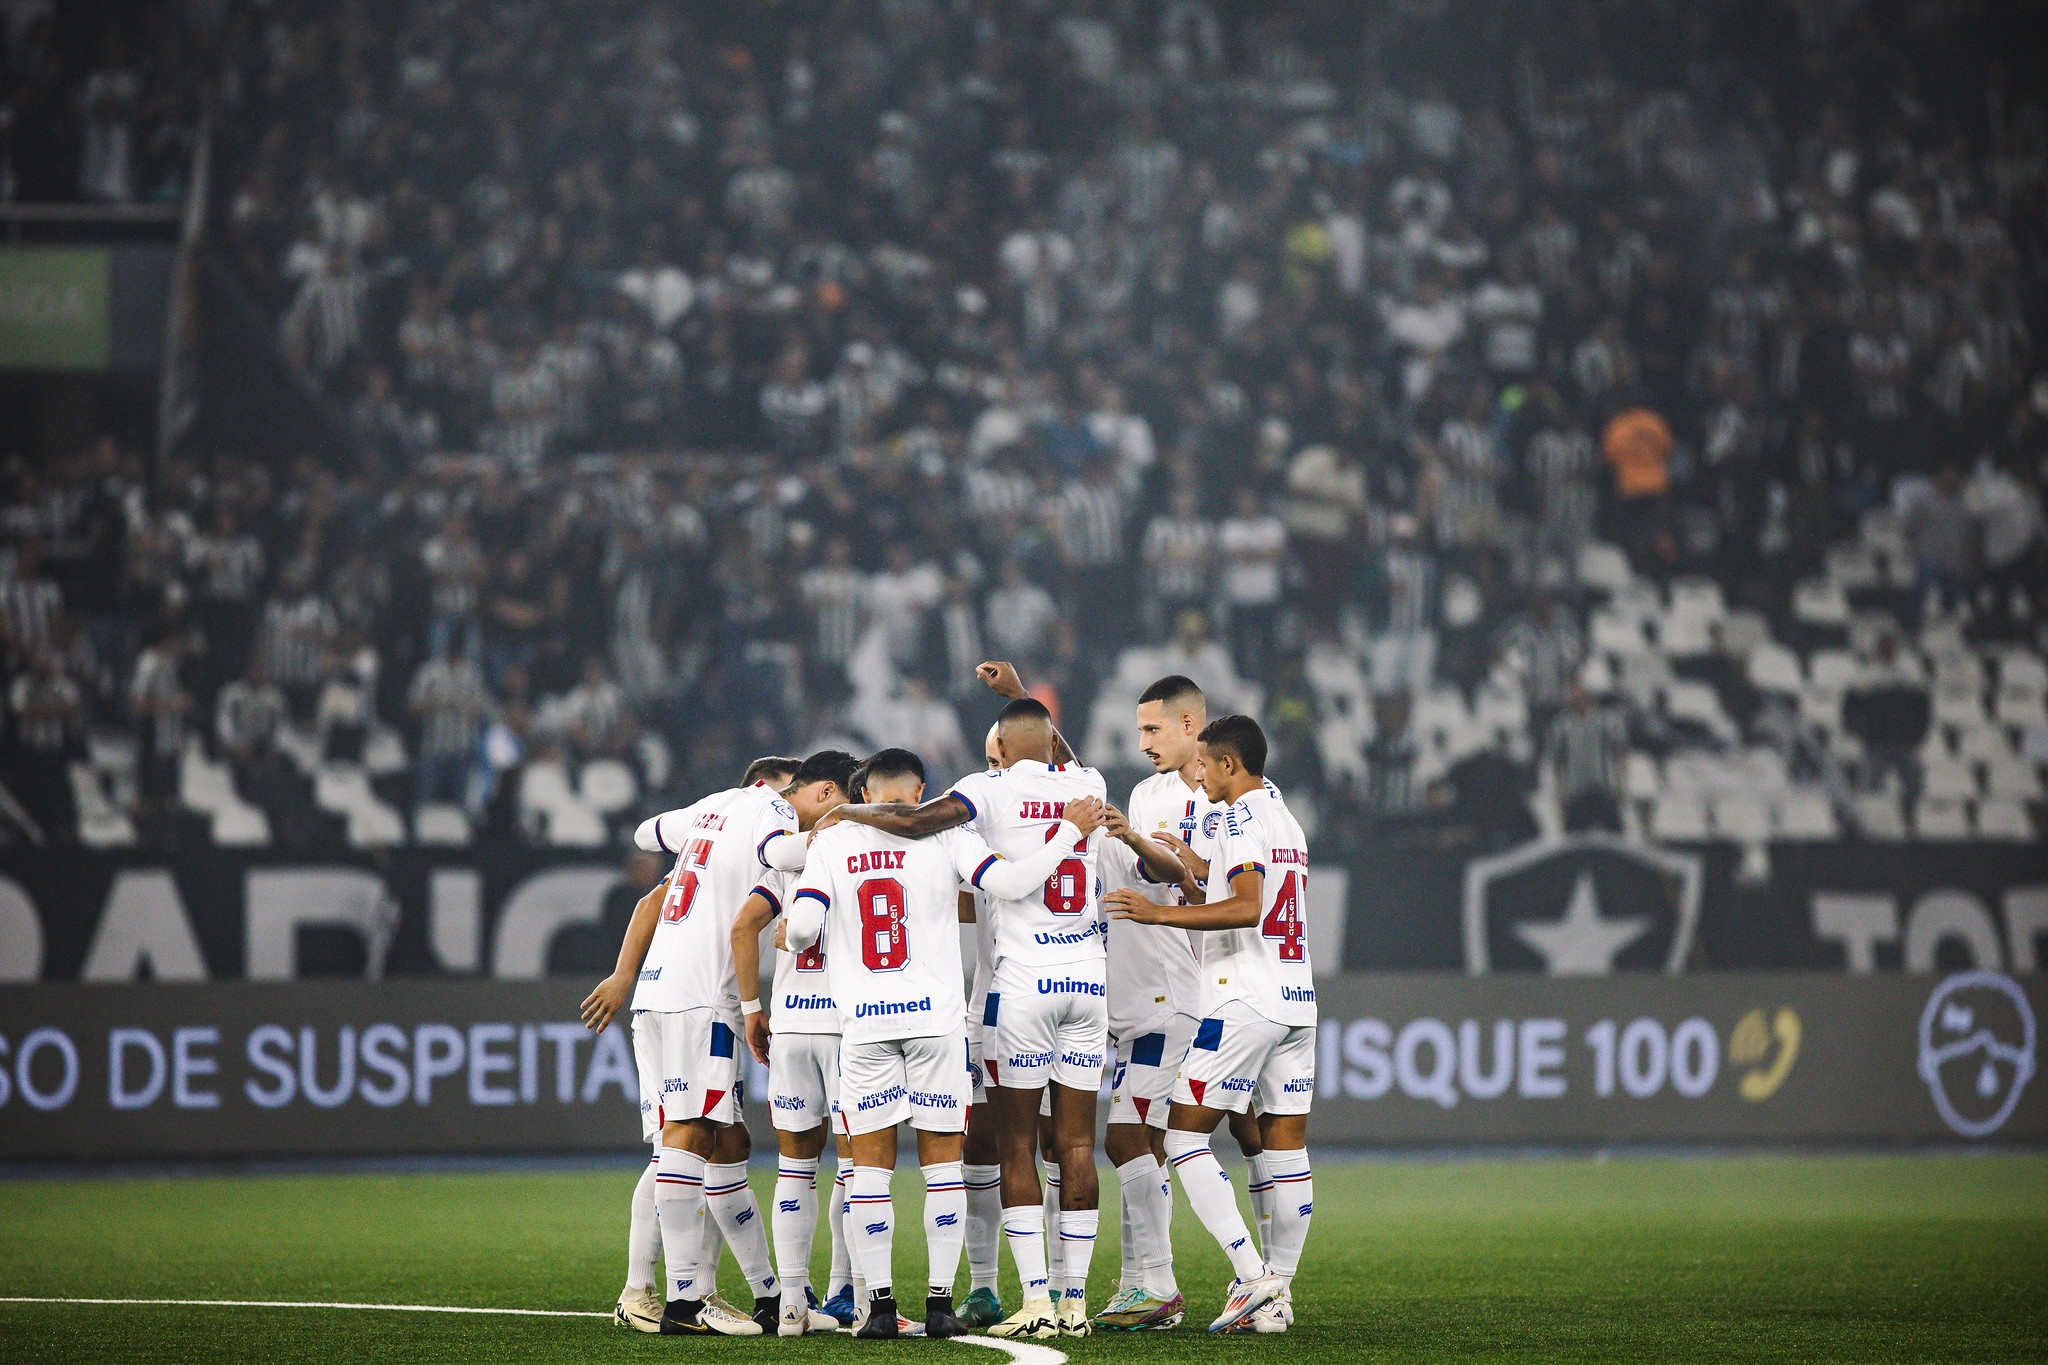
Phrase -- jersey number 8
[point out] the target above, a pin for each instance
(883, 944)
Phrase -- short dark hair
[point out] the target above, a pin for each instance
(1024, 708)
(767, 766)
(827, 765)
(1241, 737)
(1173, 687)
(887, 763)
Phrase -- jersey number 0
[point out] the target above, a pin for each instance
(1066, 890)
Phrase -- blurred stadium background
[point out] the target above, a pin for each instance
(1603, 443)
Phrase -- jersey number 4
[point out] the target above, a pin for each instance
(883, 945)
(1283, 921)
(682, 888)
(1066, 890)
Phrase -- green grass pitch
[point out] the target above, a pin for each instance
(1768, 1258)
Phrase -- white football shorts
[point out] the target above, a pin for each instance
(1240, 1052)
(1141, 1088)
(803, 1079)
(1047, 1024)
(689, 1067)
(924, 1080)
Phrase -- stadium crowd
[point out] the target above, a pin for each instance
(722, 384)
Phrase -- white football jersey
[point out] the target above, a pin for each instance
(888, 910)
(803, 991)
(984, 928)
(1016, 809)
(1152, 968)
(1265, 965)
(720, 844)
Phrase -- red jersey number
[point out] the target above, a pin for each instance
(1283, 921)
(682, 888)
(1066, 890)
(883, 945)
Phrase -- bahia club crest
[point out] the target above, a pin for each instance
(1584, 905)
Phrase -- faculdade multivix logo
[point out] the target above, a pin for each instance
(1976, 1050)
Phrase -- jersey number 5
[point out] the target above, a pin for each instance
(682, 888)
(1066, 890)
(1283, 921)
(883, 945)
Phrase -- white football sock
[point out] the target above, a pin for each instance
(945, 1223)
(643, 1236)
(1294, 1198)
(679, 1209)
(1024, 1231)
(984, 1223)
(1049, 1175)
(871, 1227)
(731, 1201)
(1214, 1202)
(795, 1221)
(1077, 1249)
(1159, 1276)
(835, 1222)
(1138, 1178)
(710, 1248)
(1260, 1180)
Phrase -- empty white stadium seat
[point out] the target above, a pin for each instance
(1774, 668)
(2023, 669)
(344, 788)
(1954, 705)
(1684, 634)
(1821, 707)
(240, 826)
(2012, 778)
(438, 823)
(1699, 596)
(1981, 743)
(1742, 816)
(1806, 813)
(1678, 815)
(383, 751)
(1935, 818)
(563, 818)
(1820, 603)
(1614, 633)
(1696, 701)
(100, 823)
(607, 786)
(1879, 816)
(1641, 779)
(1948, 780)
(1833, 668)
(2001, 818)
(2018, 704)
(1603, 566)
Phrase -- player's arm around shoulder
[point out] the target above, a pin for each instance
(779, 845)
(1241, 850)
(804, 918)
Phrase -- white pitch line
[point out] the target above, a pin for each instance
(1024, 1353)
(278, 1303)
